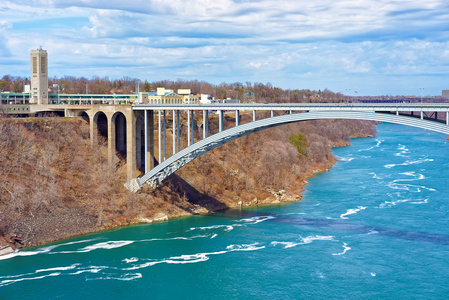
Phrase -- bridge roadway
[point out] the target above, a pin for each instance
(129, 127)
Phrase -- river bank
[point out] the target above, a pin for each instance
(55, 186)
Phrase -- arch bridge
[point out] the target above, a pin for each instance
(130, 129)
(431, 116)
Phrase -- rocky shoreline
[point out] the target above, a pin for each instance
(64, 199)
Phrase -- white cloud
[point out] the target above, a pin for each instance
(320, 42)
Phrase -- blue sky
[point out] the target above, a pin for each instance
(374, 47)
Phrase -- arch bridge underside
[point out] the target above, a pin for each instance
(159, 173)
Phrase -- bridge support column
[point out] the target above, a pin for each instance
(397, 113)
(237, 118)
(120, 126)
(177, 129)
(188, 127)
(131, 163)
(111, 139)
(204, 124)
(160, 136)
(165, 135)
(272, 113)
(422, 115)
(93, 130)
(174, 132)
(149, 140)
(220, 119)
(192, 125)
(139, 142)
(207, 123)
(254, 115)
(447, 118)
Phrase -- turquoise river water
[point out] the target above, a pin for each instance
(375, 226)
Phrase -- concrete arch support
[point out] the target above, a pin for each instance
(155, 176)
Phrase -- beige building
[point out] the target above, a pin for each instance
(165, 96)
(39, 77)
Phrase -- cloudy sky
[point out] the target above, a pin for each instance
(374, 47)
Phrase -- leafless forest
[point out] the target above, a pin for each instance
(54, 185)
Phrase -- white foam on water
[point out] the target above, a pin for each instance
(227, 228)
(130, 260)
(375, 176)
(409, 162)
(345, 249)
(29, 253)
(58, 268)
(245, 247)
(420, 202)
(412, 174)
(372, 231)
(257, 219)
(198, 257)
(11, 281)
(93, 270)
(352, 211)
(285, 244)
(346, 158)
(403, 151)
(42, 250)
(105, 245)
(409, 187)
(309, 239)
(379, 142)
(176, 238)
(213, 236)
(124, 277)
(393, 203)
(373, 274)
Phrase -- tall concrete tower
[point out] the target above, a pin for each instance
(39, 77)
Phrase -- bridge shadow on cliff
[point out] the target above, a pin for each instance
(190, 194)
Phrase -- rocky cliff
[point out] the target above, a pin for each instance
(54, 185)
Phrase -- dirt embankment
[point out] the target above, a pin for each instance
(54, 185)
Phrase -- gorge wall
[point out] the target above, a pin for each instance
(54, 185)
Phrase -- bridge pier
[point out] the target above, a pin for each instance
(149, 139)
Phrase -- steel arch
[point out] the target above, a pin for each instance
(159, 173)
